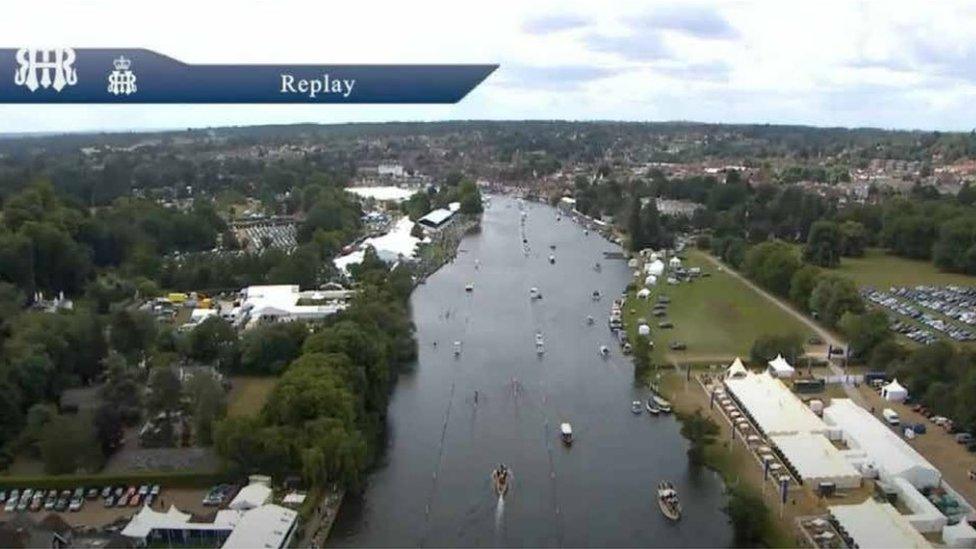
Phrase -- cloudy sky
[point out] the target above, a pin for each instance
(884, 64)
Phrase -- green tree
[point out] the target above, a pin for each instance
(268, 349)
(832, 297)
(766, 347)
(824, 244)
(749, 516)
(864, 332)
(68, 445)
(700, 431)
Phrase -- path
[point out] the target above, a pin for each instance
(822, 332)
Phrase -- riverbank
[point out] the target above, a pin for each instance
(444, 245)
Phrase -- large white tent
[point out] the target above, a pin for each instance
(872, 524)
(883, 450)
(644, 330)
(779, 367)
(894, 392)
(772, 406)
(674, 262)
(651, 280)
(817, 460)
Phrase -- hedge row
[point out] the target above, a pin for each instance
(180, 479)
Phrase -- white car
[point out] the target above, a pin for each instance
(11, 504)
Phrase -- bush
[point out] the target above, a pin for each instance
(749, 516)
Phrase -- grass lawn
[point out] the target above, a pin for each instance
(882, 271)
(717, 316)
(248, 394)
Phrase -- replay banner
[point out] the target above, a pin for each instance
(97, 75)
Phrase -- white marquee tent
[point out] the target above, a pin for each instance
(736, 370)
(894, 392)
(651, 280)
(655, 267)
(779, 367)
(644, 293)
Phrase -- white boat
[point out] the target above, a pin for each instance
(604, 350)
(652, 407)
(667, 499)
(589, 320)
(457, 348)
(662, 404)
(635, 407)
(552, 259)
(596, 295)
(538, 339)
(566, 432)
(469, 288)
(534, 293)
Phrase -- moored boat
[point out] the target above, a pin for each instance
(667, 499)
(552, 259)
(662, 404)
(652, 407)
(635, 407)
(566, 433)
(469, 288)
(604, 350)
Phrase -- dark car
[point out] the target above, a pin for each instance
(677, 346)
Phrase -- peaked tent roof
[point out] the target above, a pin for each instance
(779, 364)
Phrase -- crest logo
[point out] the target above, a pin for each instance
(122, 81)
(45, 68)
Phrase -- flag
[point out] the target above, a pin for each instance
(765, 469)
(711, 400)
(784, 485)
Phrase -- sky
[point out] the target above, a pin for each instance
(888, 64)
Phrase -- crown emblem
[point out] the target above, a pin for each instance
(122, 64)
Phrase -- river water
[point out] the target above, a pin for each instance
(433, 486)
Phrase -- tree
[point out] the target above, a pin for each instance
(165, 390)
(832, 297)
(772, 265)
(208, 404)
(635, 224)
(766, 347)
(802, 283)
(109, 428)
(749, 516)
(207, 341)
(864, 332)
(700, 431)
(854, 238)
(824, 244)
(268, 349)
(68, 445)
(132, 331)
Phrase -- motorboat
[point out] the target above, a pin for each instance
(552, 246)
(469, 288)
(662, 404)
(457, 348)
(635, 407)
(597, 267)
(501, 479)
(539, 339)
(566, 432)
(596, 295)
(626, 348)
(552, 259)
(604, 350)
(652, 407)
(667, 499)
(589, 320)
(534, 293)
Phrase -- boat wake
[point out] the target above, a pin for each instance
(499, 514)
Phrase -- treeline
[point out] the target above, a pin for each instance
(832, 299)
(325, 417)
(456, 188)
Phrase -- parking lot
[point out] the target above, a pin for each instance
(89, 509)
(925, 313)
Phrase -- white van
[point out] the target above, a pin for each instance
(891, 416)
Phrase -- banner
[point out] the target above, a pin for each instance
(98, 75)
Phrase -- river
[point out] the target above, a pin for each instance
(433, 487)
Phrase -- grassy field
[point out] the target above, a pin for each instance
(248, 394)
(717, 317)
(881, 270)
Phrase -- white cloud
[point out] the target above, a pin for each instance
(887, 64)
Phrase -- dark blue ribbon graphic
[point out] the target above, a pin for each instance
(97, 75)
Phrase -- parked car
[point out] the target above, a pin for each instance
(106, 492)
(37, 502)
(144, 489)
(91, 493)
(11, 504)
(155, 490)
(110, 501)
(76, 504)
(134, 500)
(964, 438)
